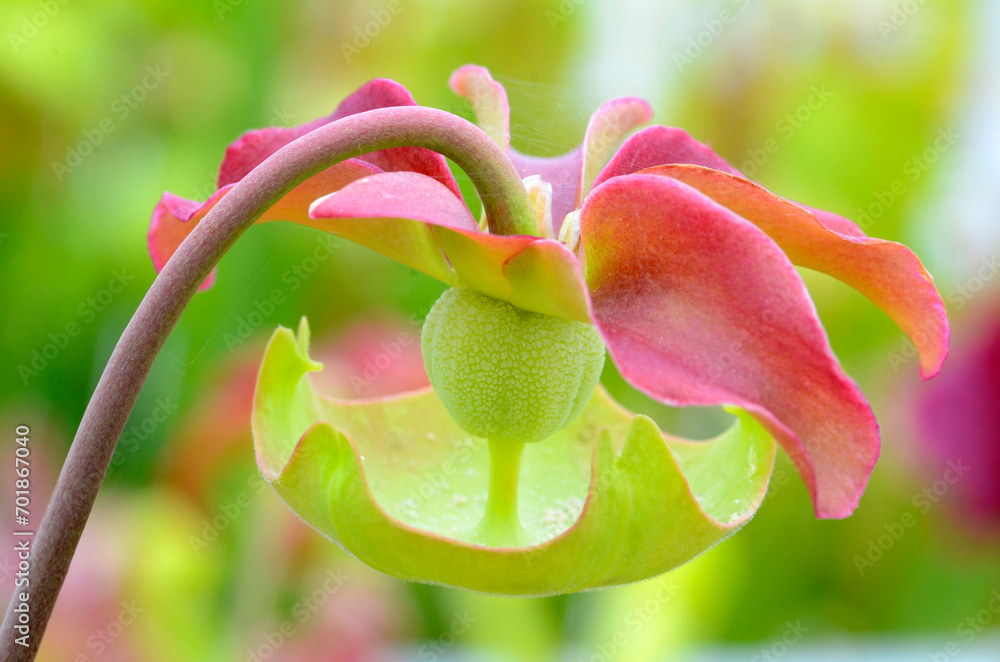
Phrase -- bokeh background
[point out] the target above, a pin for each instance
(887, 111)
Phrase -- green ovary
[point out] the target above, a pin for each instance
(506, 374)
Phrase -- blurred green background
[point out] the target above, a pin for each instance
(104, 104)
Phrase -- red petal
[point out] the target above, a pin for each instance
(395, 214)
(660, 145)
(253, 147)
(174, 218)
(699, 307)
(414, 220)
(886, 272)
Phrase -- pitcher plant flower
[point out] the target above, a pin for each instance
(516, 473)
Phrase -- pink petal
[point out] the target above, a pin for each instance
(608, 125)
(489, 103)
(660, 145)
(174, 218)
(488, 99)
(395, 214)
(886, 272)
(889, 274)
(294, 206)
(253, 147)
(415, 220)
(835, 222)
(570, 174)
(396, 194)
(699, 307)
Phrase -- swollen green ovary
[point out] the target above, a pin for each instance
(512, 377)
(506, 374)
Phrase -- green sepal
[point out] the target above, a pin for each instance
(607, 500)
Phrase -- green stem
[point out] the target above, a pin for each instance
(500, 525)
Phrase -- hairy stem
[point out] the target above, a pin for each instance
(501, 525)
(504, 200)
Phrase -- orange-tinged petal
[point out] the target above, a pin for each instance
(886, 272)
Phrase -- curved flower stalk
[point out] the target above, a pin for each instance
(687, 271)
(267, 185)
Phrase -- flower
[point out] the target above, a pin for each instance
(687, 271)
(959, 426)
